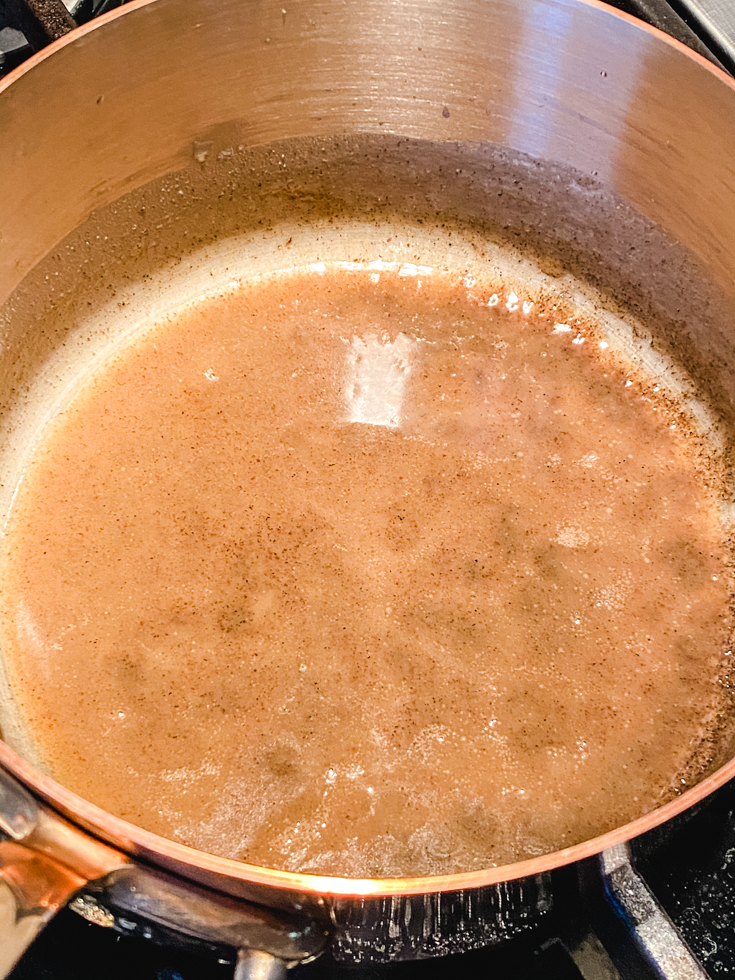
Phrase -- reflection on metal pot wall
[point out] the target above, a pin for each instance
(598, 94)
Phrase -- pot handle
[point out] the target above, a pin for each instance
(43, 862)
(33, 888)
(46, 863)
(136, 900)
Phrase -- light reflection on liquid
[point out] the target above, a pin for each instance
(377, 377)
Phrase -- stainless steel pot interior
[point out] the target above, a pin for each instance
(173, 143)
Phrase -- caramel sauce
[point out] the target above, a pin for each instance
(357, 574)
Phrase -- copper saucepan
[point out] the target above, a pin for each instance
(555, 125)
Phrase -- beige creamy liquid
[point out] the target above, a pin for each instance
(354, 573)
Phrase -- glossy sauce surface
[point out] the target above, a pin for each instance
(368, 574)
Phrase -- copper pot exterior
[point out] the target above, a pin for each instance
(131, 98)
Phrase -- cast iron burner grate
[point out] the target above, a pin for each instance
(29, 25)
(688, 865)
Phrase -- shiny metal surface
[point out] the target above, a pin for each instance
(259, 966)
(523, 76)
(172, 85)
(166, 901)
(40, 876)
(664, 951)
(18, 809)
(715, 20)
(32, 889)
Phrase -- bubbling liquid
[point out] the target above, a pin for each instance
(368, 574)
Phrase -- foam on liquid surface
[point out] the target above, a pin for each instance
(368, 575)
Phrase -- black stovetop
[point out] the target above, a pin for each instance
(689, 865)
(72, 949)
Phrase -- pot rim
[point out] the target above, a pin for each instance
(135, 840)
